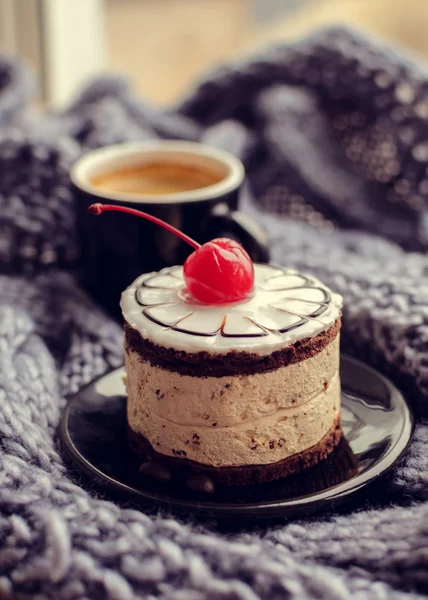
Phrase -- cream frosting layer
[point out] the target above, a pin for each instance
(286, 307)
(264, 440)
(225, 401)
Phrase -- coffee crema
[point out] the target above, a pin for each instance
(155, 179)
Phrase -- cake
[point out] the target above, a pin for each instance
(242, 393)
(232, 369)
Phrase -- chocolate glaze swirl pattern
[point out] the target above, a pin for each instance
(284, 301)
(171, 277)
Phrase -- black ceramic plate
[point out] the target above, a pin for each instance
(377, 426)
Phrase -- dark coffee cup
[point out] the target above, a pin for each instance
(191, 186)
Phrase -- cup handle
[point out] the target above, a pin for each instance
(243, 228)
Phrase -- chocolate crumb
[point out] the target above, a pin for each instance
(201, 484)
(228, 385)
(255, 444)
(272, 445)
(154, 470)
(159, 395)
(325, 384)
(179, 452)
(214, 425)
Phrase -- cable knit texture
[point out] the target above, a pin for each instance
(334, 134)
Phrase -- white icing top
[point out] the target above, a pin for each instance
(286, 307)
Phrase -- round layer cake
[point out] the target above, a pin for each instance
(246, 392)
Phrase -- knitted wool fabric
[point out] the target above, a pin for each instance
(334, 136)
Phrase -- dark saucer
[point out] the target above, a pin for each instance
(377, 426)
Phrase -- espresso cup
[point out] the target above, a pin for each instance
(192, 186)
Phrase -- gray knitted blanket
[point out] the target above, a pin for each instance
(334, 134)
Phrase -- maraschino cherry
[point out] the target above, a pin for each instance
(218, 272)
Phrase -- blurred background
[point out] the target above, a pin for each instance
(163, 46)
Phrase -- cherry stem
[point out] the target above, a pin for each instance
(98, 208)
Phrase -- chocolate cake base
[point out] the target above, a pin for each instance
(233, 476)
